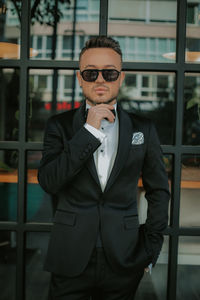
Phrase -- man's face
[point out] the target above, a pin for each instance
(100, 91)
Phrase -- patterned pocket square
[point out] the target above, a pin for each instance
(137, 138)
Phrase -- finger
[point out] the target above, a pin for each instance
(102, 111)
(111, 116)
(106, 114)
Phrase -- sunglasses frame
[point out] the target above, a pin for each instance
(102, 72)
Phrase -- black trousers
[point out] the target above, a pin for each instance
(97, 282)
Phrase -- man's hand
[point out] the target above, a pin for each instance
(99, 112)
(148, 269)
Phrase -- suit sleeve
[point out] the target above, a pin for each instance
(62, 159)
(155, 182)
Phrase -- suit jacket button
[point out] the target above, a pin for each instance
(89, 146)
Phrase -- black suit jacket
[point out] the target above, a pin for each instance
(67, 170)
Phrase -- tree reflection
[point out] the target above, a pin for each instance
(42, 11)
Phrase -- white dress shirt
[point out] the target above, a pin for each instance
(105, 155)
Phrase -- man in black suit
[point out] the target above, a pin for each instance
(92, 159)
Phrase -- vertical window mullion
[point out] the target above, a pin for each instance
(103, 21)
(175, 203)
(25, 35)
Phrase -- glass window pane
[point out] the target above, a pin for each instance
(76, 21)
(151, 95)
(8, 264)
(130, 80)
(10, 28)
(191, 124)
(192, 54)
(94, 4)
(40, 93)
(146, 30)
(188, 268)
(141, 44)
(39, 42)
(37, 280)
(43, 102)
(190, 191)
(145, 81)
(67, 42)
(152, 44)
(40, 205)
(9, 104)
(154, 286)
(49, 42)
(8, 184)
(68, 81)
(42, 82)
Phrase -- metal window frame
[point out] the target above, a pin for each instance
(176, 150)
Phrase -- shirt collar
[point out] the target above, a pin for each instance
(114, 105)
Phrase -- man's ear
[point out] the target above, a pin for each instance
(122, 76)
(78, 75)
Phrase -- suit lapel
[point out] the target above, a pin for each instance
(125, 136)
(79, 118)
(78, 122)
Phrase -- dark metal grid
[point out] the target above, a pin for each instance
(180, 67)
(103, 21)
(127, 66)
(175, 195)
(20, 271)
(167, 149)
(41, 226)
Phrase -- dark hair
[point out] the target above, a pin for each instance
(101, 42)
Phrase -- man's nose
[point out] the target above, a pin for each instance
(100, 77)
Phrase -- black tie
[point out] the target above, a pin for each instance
(112, 111)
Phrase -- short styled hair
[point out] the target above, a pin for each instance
(101, 42)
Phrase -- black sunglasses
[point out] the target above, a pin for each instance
(91, 75)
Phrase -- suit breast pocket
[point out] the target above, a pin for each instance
(137, 147)
(65, 218)
(136, 154)
(131, 222)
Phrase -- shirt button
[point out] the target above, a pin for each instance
(101, 150)
(102, 128)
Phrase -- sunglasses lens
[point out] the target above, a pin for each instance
(89, 75)
(110, 75)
